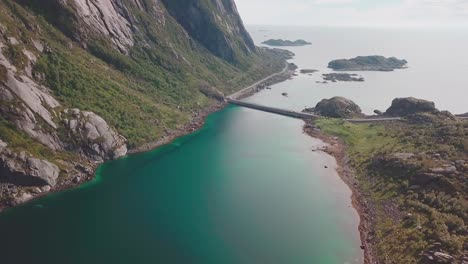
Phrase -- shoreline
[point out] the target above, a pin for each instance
(196, 123)
(337, 149)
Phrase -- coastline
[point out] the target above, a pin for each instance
(196, 123)
(337, 148)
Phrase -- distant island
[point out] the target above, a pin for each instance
(342, 77)
(308, 71)
(285, 43)
(368, 63)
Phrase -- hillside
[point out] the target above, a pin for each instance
(82, 82)
(409, 183)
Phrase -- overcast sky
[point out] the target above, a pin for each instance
(395, 13)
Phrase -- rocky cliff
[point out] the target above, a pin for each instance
(83, 81)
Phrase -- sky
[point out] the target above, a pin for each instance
(368, 13)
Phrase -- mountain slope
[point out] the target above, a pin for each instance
(83, 80)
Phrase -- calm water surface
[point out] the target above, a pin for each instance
(438, 66)
(247, 188)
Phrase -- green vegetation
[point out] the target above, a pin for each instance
(14, 53)
(3, 73)
(155, 88)
(428, 210)
(18, 141)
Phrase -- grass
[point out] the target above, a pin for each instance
(426, 214)
(154, 89)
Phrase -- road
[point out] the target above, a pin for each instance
(236, 95)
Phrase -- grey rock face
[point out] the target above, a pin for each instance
(25, 170)
(97, 140)
(211, 92)
(409, 106)
(338, 107)
(28, 102)
(2, 145)
(107, 18)
(217, 30)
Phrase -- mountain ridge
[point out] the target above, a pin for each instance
(81, 82)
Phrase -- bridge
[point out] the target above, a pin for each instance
(302, 115)
(234, 99)
(273, 110)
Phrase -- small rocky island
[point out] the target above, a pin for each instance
(286, 43)
(342, 77)
(336, 107)
(368, 63)
(308, 71)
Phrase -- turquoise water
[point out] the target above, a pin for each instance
(247, 188)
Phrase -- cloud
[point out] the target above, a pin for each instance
(327, 2)
(399, 13)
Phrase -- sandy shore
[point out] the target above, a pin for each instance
(337, 149)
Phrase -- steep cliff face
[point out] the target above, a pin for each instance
(216, 24)
(83, 81)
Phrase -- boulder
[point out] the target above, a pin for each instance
(338, 107)
(211, 92)
(93, 136)
(25, 170)
(22, 198)
(2, 145)
(445, 170)
(410, 105)
(441, 257)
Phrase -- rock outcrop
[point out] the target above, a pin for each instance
(82, 19)
(368, 63)
(24, 170)
(92, 136)
(28, 104)
(135, 63)
(211, 92)
(30, 108)
(409, 106)
(338, 107)
(216, 24)
(397, 163)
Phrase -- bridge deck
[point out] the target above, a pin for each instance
(273, 110)
(233, 100)
(301, 115)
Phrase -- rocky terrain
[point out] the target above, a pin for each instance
(82, 82)
(368, 63)
(409, 182)
(286, 43)
(336, 107)
(342, 77)
(308, 71)
(409, 106)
